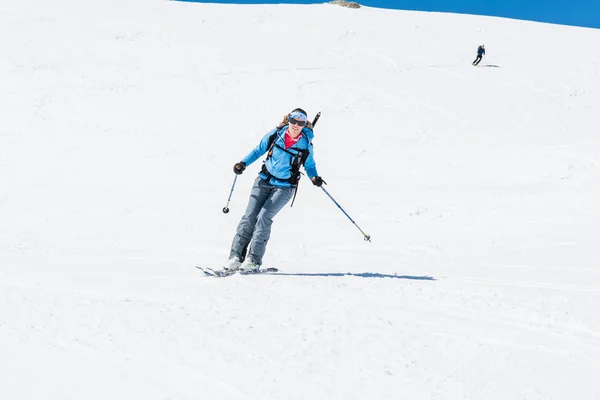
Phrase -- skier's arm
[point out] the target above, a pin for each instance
(259, 150)
(310, 165)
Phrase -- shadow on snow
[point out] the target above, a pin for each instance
(361, 275)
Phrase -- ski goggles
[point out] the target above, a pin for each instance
(294, 121)
(297, 118)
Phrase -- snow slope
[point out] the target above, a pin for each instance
(121, 120)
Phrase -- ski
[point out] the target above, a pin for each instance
(215, 273)
(225, 273)
(260, 271)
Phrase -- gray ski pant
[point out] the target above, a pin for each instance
(254, 228)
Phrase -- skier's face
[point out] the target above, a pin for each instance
(296, 123)
(295, 129)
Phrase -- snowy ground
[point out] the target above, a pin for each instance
(119, 125)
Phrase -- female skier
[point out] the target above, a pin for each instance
(288, 146)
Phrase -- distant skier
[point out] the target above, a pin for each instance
(288, 146)
(480, 54)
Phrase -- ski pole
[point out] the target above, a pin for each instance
(366, 237)
(226, 208)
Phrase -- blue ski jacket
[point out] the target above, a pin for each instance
(279, 164)
(480, 51)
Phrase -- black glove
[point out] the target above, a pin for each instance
(318, 181)
(239, 168)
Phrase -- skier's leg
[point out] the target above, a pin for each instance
(278, 199)
(258, 196)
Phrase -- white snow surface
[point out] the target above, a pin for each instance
(120, 122)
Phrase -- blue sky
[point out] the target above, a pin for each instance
(574, 12)
(566, 12)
